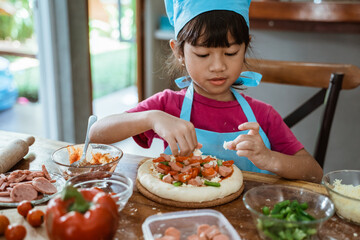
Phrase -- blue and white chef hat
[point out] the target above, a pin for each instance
(181, 12)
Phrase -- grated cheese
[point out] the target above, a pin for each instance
(197, 152)
(347, 208)
(347, 190)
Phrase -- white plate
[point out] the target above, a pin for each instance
(59, 184)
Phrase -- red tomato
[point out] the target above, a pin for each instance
(208, 172)
(15, 232)
(183, 177)
(35, 217)
(194, 172)
(159, 159)
(24, 207)
(4, 223)
(228, 163)
(164, 167)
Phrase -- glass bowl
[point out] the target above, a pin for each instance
(110, 182)
(61, 158)
(319, 206)
(343, 187)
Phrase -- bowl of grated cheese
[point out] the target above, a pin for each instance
(343, 187)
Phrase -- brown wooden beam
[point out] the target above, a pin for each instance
(140, 49)
(305, 11)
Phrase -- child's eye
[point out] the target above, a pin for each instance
(202, 55)
(231, 54)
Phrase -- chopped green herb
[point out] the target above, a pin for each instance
(212, 184)
(266, 210)
(292, 212)
(177, 184)
(165, 163)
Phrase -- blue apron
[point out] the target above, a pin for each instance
(213, 141)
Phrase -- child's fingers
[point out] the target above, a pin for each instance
(244, 153)
(245, 145)
(186, 145)
(252, 126)
(192, 140)
(173, 147)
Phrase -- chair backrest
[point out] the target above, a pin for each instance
(330, 78)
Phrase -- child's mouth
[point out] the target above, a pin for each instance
(217, 82)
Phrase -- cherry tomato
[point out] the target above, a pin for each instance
(24, 207)
(15, 232)
(4, 222)
(35, 217)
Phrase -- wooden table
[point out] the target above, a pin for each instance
(139, 208)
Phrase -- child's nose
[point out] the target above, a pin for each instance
(217, 65)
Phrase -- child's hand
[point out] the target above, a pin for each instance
(176, 132)
(251, 145)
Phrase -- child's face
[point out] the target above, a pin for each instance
(214, 70)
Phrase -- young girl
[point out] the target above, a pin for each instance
(211, 42)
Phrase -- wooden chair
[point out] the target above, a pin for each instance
(330, 78)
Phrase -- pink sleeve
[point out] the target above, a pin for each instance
(165, 101)
(280, 135)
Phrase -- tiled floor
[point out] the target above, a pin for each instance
(27, 118)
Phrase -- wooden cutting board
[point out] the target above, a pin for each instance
(31, 232)
(272, 179)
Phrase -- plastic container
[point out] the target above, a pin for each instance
(187, 222)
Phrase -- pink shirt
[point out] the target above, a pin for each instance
(217, 116)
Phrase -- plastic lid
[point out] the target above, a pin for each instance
(187, 222)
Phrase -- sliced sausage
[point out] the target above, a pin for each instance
(166, 157)
(221, 237)
(171, 231)
(6, 200)
(160, 170)
(3, 186)
(2, 180)
(5, 194)
(195, 181)
(45, 171)
(168, 179)
(23, 192)
(212, 232)
(174, 166)
(43, 185)
(202, 228)
(185, 169)
(20, 178)
(224, 171)
(207, 165)
(193, 237)
(195, 164)
(166, 238)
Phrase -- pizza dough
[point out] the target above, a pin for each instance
(187, 193)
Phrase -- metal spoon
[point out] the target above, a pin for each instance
(91, 121)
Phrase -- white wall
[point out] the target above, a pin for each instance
(344, 145)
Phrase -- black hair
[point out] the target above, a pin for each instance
(213, 28)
